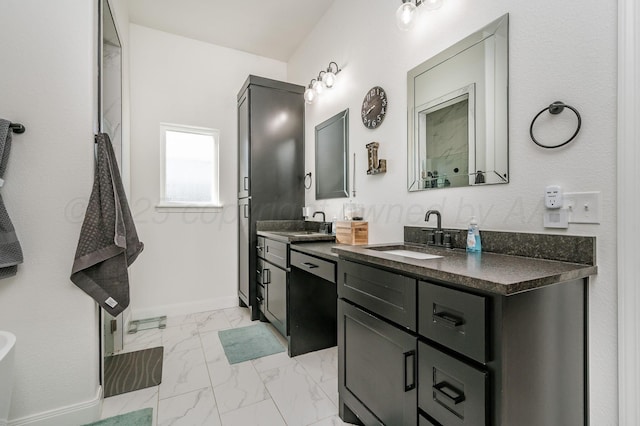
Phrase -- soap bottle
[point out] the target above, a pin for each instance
(334, 222)
(474, 245)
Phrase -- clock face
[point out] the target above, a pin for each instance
(374, 107)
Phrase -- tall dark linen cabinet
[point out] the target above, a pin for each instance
(270, 168)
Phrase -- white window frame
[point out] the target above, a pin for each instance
(194, 207)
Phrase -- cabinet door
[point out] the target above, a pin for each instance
(243, 146)
(275, 284)
(377, 368)
(243, 250)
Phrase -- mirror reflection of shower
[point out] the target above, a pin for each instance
(447, 139)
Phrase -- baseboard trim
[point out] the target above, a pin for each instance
(185, 308)
(76, 414)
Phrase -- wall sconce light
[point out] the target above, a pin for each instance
(406, 13)
(326, 79)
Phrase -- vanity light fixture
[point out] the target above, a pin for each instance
(329, 77)
(319, 86)
(325, 80)
(310, 94)
(406, 13)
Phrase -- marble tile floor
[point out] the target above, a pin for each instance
(199, 386)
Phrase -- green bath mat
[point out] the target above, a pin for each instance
(142, 417)
(245, 343)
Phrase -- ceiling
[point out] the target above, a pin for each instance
(270, 28)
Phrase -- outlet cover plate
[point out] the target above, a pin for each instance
(584, 207)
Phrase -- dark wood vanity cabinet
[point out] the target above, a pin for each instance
(272, 282)
(412, 351)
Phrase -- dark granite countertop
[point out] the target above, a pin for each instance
(296, 236)
(323, 250)
(495, 273)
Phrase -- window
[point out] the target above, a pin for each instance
(189, 167)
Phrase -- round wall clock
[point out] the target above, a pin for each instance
(374, 107)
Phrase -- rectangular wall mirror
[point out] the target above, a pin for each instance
(332, 149)
(457, 103)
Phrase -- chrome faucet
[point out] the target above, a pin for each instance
(438, 240)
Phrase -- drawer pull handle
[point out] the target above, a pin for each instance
(453, 394)
(259, 248)
(245, 183)
(309, 265)
(259, 299)
(246, 211)
(412, 354)
(448, 319)
(266, 276)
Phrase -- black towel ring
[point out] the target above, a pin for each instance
(556, 108)
(17, 128)
(308, 175)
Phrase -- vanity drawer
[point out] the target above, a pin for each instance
(389, 295)
(319, 267)
(453, 318)
(423, 421)
(276, 253)
(450, 391)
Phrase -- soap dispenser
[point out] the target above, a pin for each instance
(474, 245)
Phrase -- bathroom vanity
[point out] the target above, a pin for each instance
(296, 284)
(460, 339)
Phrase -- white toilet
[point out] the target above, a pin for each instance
(7, 345)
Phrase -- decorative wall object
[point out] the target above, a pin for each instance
(376, 166)
(374, 107)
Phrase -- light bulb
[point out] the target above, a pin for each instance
(405, 15)
(309, 95)
(329, 79)
(318, 87)
(432, 4)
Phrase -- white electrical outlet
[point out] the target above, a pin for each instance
(584, 207)
(553, 197)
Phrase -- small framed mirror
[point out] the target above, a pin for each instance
(332, 149)
(457, 103)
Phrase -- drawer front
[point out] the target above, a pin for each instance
(423, 421)
(260, 247)
(389, 295)
(260, 295)
(450, 391)
(276, 253)
(319, 267)
(454, 319)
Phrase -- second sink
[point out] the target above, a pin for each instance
(412, 254)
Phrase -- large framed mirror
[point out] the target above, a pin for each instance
(332, 149)
(458, 111)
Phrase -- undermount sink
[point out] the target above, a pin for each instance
(412, 254)
(405, 251)
(303, 233)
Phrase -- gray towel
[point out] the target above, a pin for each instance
(108, 241)
(10, 250)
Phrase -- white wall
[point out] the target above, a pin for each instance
(189, 263)
(48, 82)
(558, 51)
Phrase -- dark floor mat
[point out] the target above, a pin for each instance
(132, 371)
